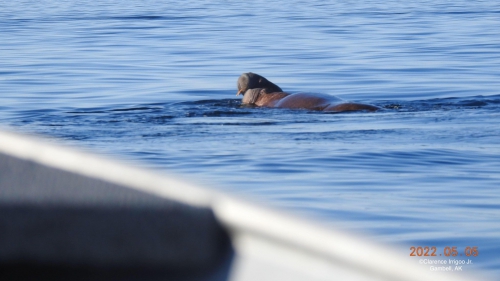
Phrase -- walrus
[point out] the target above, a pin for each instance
(259, 91)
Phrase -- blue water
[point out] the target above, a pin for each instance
(154, 82)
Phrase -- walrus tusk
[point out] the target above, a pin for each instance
(238, 93)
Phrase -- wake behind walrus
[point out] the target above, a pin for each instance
(259, 91)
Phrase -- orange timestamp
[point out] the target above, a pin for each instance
(447, 251)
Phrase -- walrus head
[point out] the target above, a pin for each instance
(252, 80)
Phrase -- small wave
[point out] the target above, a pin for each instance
(134, 109)
(217, 113)
(106, 18)
(443, 103)
(213, 102)
(101, 110)
(153, 17)
(266, 123)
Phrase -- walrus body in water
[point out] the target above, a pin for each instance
(259, 91)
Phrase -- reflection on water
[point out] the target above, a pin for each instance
(154, 83)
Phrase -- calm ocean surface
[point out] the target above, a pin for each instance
(154, 82)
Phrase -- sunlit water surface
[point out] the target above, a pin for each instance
(153, 82)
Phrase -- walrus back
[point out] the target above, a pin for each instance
(308, 101)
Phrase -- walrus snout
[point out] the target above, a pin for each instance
(251, 96)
